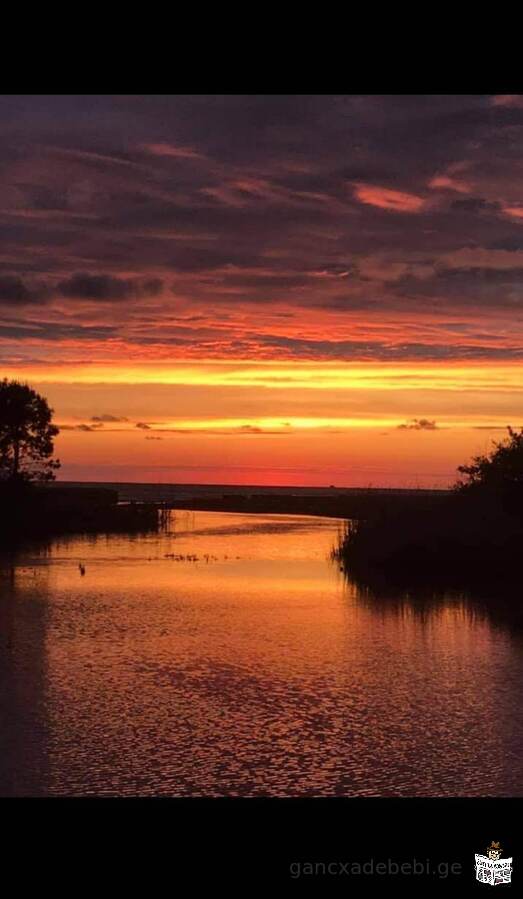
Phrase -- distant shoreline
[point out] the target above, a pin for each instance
(248, 489)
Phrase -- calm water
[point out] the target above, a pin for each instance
(249, 668)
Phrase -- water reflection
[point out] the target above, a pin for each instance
(24, 732)
(228, 656)
(497, 602)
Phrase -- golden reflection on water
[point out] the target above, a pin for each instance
(230, 657)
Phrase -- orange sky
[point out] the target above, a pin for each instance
(277, 423)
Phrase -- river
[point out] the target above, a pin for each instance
(229, 656)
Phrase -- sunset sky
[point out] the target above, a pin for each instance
(265, 289)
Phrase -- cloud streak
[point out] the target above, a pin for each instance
(386, 198)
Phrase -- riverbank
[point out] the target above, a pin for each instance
(364, 506)
(469, 541)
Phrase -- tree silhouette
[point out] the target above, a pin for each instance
(498, 475)
(26, 435)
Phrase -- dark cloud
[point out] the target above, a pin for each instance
(474, 204)
(466, 286)
(108, 418)
(419, 424)
(394, 352)
(55, 331)
(16, 292)
(491, 275)
(95, 426)
(513, 243)
(143, 425)
(84, 286)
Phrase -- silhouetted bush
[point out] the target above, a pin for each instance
(476, 533)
